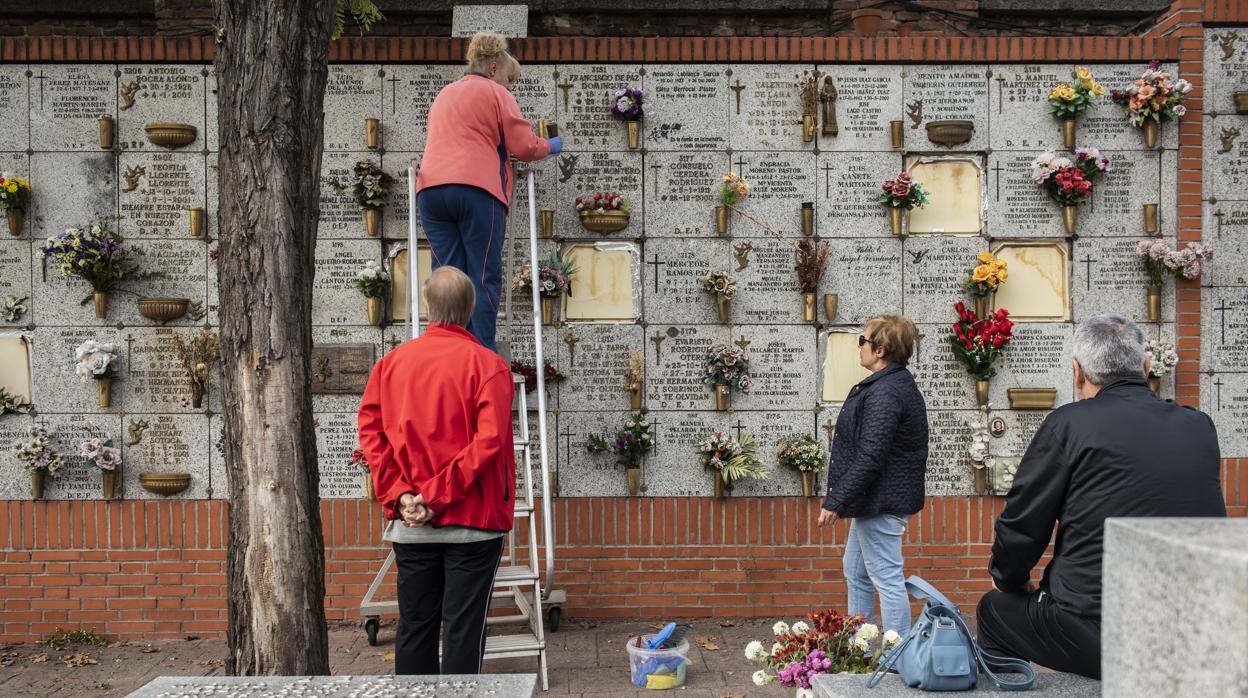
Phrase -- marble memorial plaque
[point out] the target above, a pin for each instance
(1107, 277)
(1226, 228)
(1224, 397)
(535, 459)
(943, 93)
(863, 274)
(779, 184)
(341, 369)
(941, 378)
(80, 478)
(1167, 200)
(692, 107)
(595, 362)
(767, 290)
(868, 97)
(66, 103)
(949, 465)
(56, 386)
(1107, 127)
(1018, 106)
(1225, 157)
(955, 188)
(352, 94)
(211, 116)
(583, 173)
(14, 480)
(848, 188)
(766, 427)
(1020, 428)
(535, 93)
(1118, 197)
(674, 469)
(166, 444)
(334, 299)
(407, 93)
(781, 364)
(165, 93)
(932, 272)
(154, 377)
(604, 287)
(86, 184)
(394, 218)
(1225, 68)
(15, 107)
(582, 474)
(766, 107)
(180, 271)
(545, 187)
(671, 280)
(15, 279)
(167, 186)
(681, 195)
(508, 20)
(1039, 356)
(1017, 206)
(340, 217)
(15, 366)
(583, 106)
(675, 364)
(1224, 328)
(841, 365)
(1038, 282)
(336, 438)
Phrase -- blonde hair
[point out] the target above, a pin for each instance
(488, 46)
(895, 334)
(450, 296)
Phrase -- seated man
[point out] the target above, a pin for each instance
(435, 428)
(1119, 451)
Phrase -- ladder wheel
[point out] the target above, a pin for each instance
(552, 618)
(371, 626)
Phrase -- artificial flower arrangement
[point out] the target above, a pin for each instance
(828, 644)
(630, 446)
(554, 280)
(802, 453)
(723, 287)
(374, 283)
(369, 186)
(14, 199)
(38, 455)
(1161, 260)
(603, 212)
(1068, 99)
(731, 460)
(13, 307)
(732, 191)
(899, 195)
(979, 342)
(727, 367)
(810, 264)
(1152, 98)
(979, 446)
(1064, 182)
(97, 255)
(984, 279)
(358, 460)
(1165, 358)
(100, 452)
(628, 104)
(196, 359)
(95, 362)
(13, 404)
(1091, 162)
(529, 373)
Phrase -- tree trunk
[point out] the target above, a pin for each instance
(271, 64)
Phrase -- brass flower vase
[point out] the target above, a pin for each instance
(895, 214)
(981, 480)
(1068, 131)
(831, 302)
(721, 220)
(897, 134)
(634, 480)
(370, 493)
(197, 395)
(722, 306)
(721, 490)
(808, 218)
(37, 478)
(100, 299)
(981, 307)
(1154, 384)
(809, 307)
(808, 128)
(372, 221)
(634, 398)
(109, 482)
(374, 311)
(1150, 219)
(981, 392)
(372, 133)
(197, 221)
(634, 135)
(104, 391)
(547, 217)
(721, 397)
(808, 483)
(17, 220)
(1154, 302)
(107, 129)
(548, 310)
(1151, 129)
(1070, 217)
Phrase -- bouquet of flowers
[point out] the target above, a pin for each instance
(37, 452)
(13, 308)
(829, 643)
(529, 372)
(733, 189)
(554, 277)
(99, 449)
(1164, 358)
(730, 459)
(631, 444)
(979, 342)
(728, 364)
(357, 459)
(629, 104)
(13, 404)
(1160, 259)
(1091, 162)
(985, 277)
(801, 452)
(601, 202)
(95, 359)
(197, 358)
(1154, 95)
(812, 261)
(633, 374)
(93, 253)
(14, 193)
(721, 284)
(903, 192)
(1061, 179)
(1069, 98)
(369, 185)
(372, 280)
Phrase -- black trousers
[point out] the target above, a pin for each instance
(1033, 627)
(444, 591)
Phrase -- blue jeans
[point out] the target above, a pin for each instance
(465, 227)
(873, 563)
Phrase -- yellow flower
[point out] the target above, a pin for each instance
(980, 274)
(1097, 89)
(998, 264)
(1084, 74)
(1001, 274)
(1063, 92)
(986, 257)
(12, 187)
(992, 282)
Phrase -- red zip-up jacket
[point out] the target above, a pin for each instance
(435, 420)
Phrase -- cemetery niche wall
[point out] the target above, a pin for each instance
(83, 136)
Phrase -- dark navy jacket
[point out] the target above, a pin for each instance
(879, 451)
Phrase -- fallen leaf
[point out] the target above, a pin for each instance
(733, 695)
(587, 624)
(149, 649)
(78, 659)
(386, 656)
(38, 658)
(705, 642)
(211, 662)
(658, 626)
(729, 624)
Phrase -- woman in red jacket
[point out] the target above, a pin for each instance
(465, 179)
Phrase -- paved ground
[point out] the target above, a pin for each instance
(585, 659)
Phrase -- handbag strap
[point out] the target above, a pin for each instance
(920, 589)
(982, 657)
(889, 660)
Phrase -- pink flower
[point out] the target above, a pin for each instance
(888, 186)
(901, 191)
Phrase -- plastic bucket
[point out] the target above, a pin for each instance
(657, 669)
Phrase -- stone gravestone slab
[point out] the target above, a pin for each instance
(868, 97)
(1168, 198)
(1226, 228)
(55, 385)
(674, 470)
(681, 190)
(394, 221)
(365, 343)
(580, 473)
(508, 20)
(595, 363)
(535, 92)
(1020, 428)
(692, 108)
(448, 686)
(1106, 126)
(932, 272)
(671, 278)
(154, 377)
(1224, 397)
(942, 93)
(766, 108)
(336, 438)
(941, 378)
(863, 274)
(1117, 206)
(949, 469)
(352, 94)
(584, 173)
(1225, 157)
(334, 299)
(66, 103)
(767, 290)
(1018, 107)
(779, 184)
(1017, 206)
(211, 136)
(14, 107)
(847, 193)
(85, 184)
(766, 427)
(15, 483)
(166, 443)
(80, 478)
(161, 94)
(782, 362)
(545, 187)
(15, 278)
(552, 460)
(167, 186)
(1108, 278)
(407, 92)
(1039, 356)
(1225, 68)
(583, 105)
(1224, 329)
(340, 216)
(180, 271)
(675, 364)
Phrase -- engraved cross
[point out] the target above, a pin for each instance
(656, 263)
(129, 354)
(997, 170)
(656, 167)
(741, 163)
(737, 88)
(1088, 262)
(565, 86)
(1221, 310)
(827, 179)
(658, 351)
(739, 427)
(742, 342)
(394, 92)
(1217, 384)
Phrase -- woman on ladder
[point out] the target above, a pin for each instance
(465, 179)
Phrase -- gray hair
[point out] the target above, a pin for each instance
(449, 296)
(1109, 347)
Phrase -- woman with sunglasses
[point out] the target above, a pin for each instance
(876, 470)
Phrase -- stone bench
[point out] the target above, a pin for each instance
(450, 686)
(1048, 683)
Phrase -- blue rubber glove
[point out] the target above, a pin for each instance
(556, 145)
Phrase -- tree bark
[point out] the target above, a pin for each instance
(271, 65)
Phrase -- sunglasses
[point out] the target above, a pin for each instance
(862, 339)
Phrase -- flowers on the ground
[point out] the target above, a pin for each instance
(830, 643)
(1161, 260)
(780, 628)
(984, 278)
(629, 104)
(727, 364)
(14, 193)
(803, 453)
(601, 202)
(371, 280)
(754, 650)
(978, 342)
(721, 284)
(38, 452)
(1069, 98)
(631, 444)
(903, 192)
(369, 185)
(1164, 358)
(95, 359)
(733, 189)
(1154, 95)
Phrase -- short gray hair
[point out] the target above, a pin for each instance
(1109, 347)
(449, 296)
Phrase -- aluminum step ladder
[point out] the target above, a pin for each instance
(518, 582)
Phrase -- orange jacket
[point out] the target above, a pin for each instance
(435, 420)
(474, 124)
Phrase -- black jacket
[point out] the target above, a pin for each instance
(1121, 453)
(879, 453)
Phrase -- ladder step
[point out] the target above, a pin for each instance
(511, 575)
(520, 645)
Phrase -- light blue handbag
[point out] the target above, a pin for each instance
(939, 653)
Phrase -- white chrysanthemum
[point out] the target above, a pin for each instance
(775, 647)
(780, 628)
(891, 638)
(859, 644)
(760, 678)
(800, 627)
(868, 632)
(754, 650)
